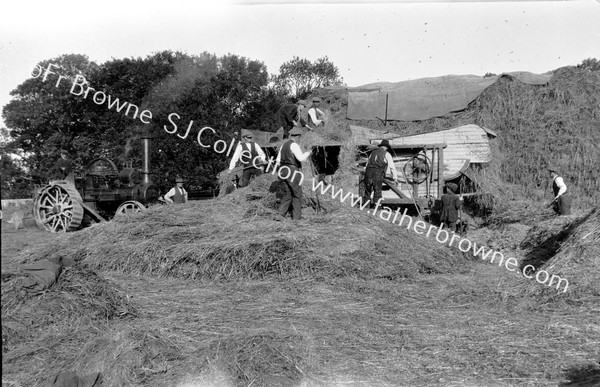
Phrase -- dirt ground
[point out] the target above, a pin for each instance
(435, 330)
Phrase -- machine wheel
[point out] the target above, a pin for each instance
(57, 208)
(417, 169)
(130, 207)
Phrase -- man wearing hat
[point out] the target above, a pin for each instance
(65, 167)
(250, 155)
(316, 115)
(562, 200)
(450, 206)
(177, 194)
(379, 164)
(289, 159)
(288, 116)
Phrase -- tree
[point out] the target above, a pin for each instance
(227, 94)
(44, 116)
(590, 64)
(298, 77)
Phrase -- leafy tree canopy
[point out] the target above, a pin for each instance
(226, 93)
(298, 77)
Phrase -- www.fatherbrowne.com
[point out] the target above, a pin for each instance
(80, 86)
(420, 227)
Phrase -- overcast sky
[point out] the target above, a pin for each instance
(367, 41)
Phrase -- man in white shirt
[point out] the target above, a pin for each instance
(379, 164)
(177, 194)
(316, 115)
(562, 201)
(289, 160)
(250, 155)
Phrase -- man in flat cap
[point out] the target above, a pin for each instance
(316, 115)
(379, 164)
(288, 116)
(562, 200)
(289, 160)
(65, 167)
(250, 155)
(177, 194)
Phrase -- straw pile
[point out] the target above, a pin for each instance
(236, 237)
(79, 299)
(569, 248)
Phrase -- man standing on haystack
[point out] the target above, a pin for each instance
(379, 164)
(562, 200)
(316, 116)
(289, 160)
(250, 155)
(177, 194)
(288, 116)
(450, 207)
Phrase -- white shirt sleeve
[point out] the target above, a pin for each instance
(312, 112)
(169, 194)
(236, 156)
(391, 167)
(295, 148)
(562, 188)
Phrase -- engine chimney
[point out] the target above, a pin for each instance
(146, 157)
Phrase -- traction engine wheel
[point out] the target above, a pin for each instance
(57, 208)
(130, 207)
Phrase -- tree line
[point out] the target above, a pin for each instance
(227, 93)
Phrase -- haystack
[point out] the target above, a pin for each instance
(569, 248)
(236, 238)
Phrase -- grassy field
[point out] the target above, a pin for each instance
(349, 325)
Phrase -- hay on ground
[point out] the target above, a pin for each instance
(233, 238)
(80, 298)
(569, 248)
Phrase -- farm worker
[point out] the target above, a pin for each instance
(250, 155)
(288, 116)
(450, 206)
(65, 167)
(289, 159)
(562, 200)
(379, 164)
(177, 194)
(316, 115)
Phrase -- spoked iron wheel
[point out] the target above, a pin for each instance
(130, 207)
(57, 208)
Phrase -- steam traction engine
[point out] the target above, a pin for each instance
(101, 193)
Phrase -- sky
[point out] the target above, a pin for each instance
(368, 41)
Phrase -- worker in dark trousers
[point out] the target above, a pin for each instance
(250, 155)
(177, 194)
(289, 160)
(562, 200)
(379, 164)
(450, 207)
(65, 167)
(289, 116)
